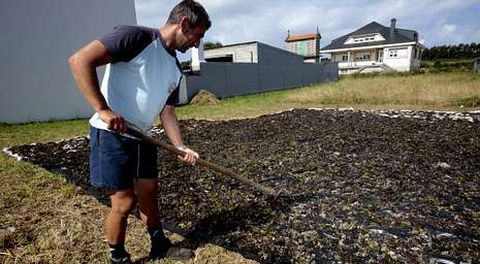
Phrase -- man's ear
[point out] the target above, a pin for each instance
(185, 24)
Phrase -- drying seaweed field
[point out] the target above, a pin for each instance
(364, 186)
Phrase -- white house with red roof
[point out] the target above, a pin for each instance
(374, 48)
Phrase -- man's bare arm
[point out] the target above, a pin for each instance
(170, 124)
(83, 64)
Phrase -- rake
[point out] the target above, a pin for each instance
(265, 190)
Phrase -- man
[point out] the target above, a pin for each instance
(141, 82)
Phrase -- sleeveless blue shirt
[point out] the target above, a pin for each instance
(143, 77)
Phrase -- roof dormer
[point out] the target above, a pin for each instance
(364, 38)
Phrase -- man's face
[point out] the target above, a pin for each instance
(190, 36)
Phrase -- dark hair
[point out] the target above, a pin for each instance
(196, 14)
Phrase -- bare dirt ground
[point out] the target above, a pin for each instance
(367, 186)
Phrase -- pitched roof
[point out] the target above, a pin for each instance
(302, 37)
(399, 36)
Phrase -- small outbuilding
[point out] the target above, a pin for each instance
(306, 45)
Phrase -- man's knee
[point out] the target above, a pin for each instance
(123, 202)
(123, 209)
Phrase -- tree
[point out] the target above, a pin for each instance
(186, 65)
(211, 45)
(460, 51)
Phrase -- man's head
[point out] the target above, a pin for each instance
(193, 21)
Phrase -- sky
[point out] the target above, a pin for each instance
(438, 22)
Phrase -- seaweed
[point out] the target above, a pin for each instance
(366, 186)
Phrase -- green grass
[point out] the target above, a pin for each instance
(417, 91)
(471, 101)
(45, 131)
(435, 91)
(239, 106)
(448, 65)
(20, 179)
(15, 172)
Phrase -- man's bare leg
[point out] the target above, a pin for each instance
(147, 193)
(122, 203)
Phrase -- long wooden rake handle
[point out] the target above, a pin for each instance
(243, 179)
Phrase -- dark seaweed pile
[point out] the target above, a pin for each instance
(365, 187)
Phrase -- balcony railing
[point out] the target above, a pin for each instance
(358, 64)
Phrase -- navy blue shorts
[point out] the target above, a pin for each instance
(115, 160)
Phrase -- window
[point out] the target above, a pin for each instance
(397, 53)
(362, 57)
(392, 53)
(344, 57)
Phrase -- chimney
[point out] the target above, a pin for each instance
(197, 56)
(392, 26)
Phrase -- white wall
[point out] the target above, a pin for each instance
(240, 53)
(400, 63)
(37, 39)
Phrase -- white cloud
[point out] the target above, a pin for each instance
(449, 28)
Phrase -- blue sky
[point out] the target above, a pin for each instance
(438, 22)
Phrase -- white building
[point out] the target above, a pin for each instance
(375, 47)
(238, 52)
(37, 39)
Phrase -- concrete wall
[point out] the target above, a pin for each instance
(37, 39)
(232, 79)
(272, 55)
